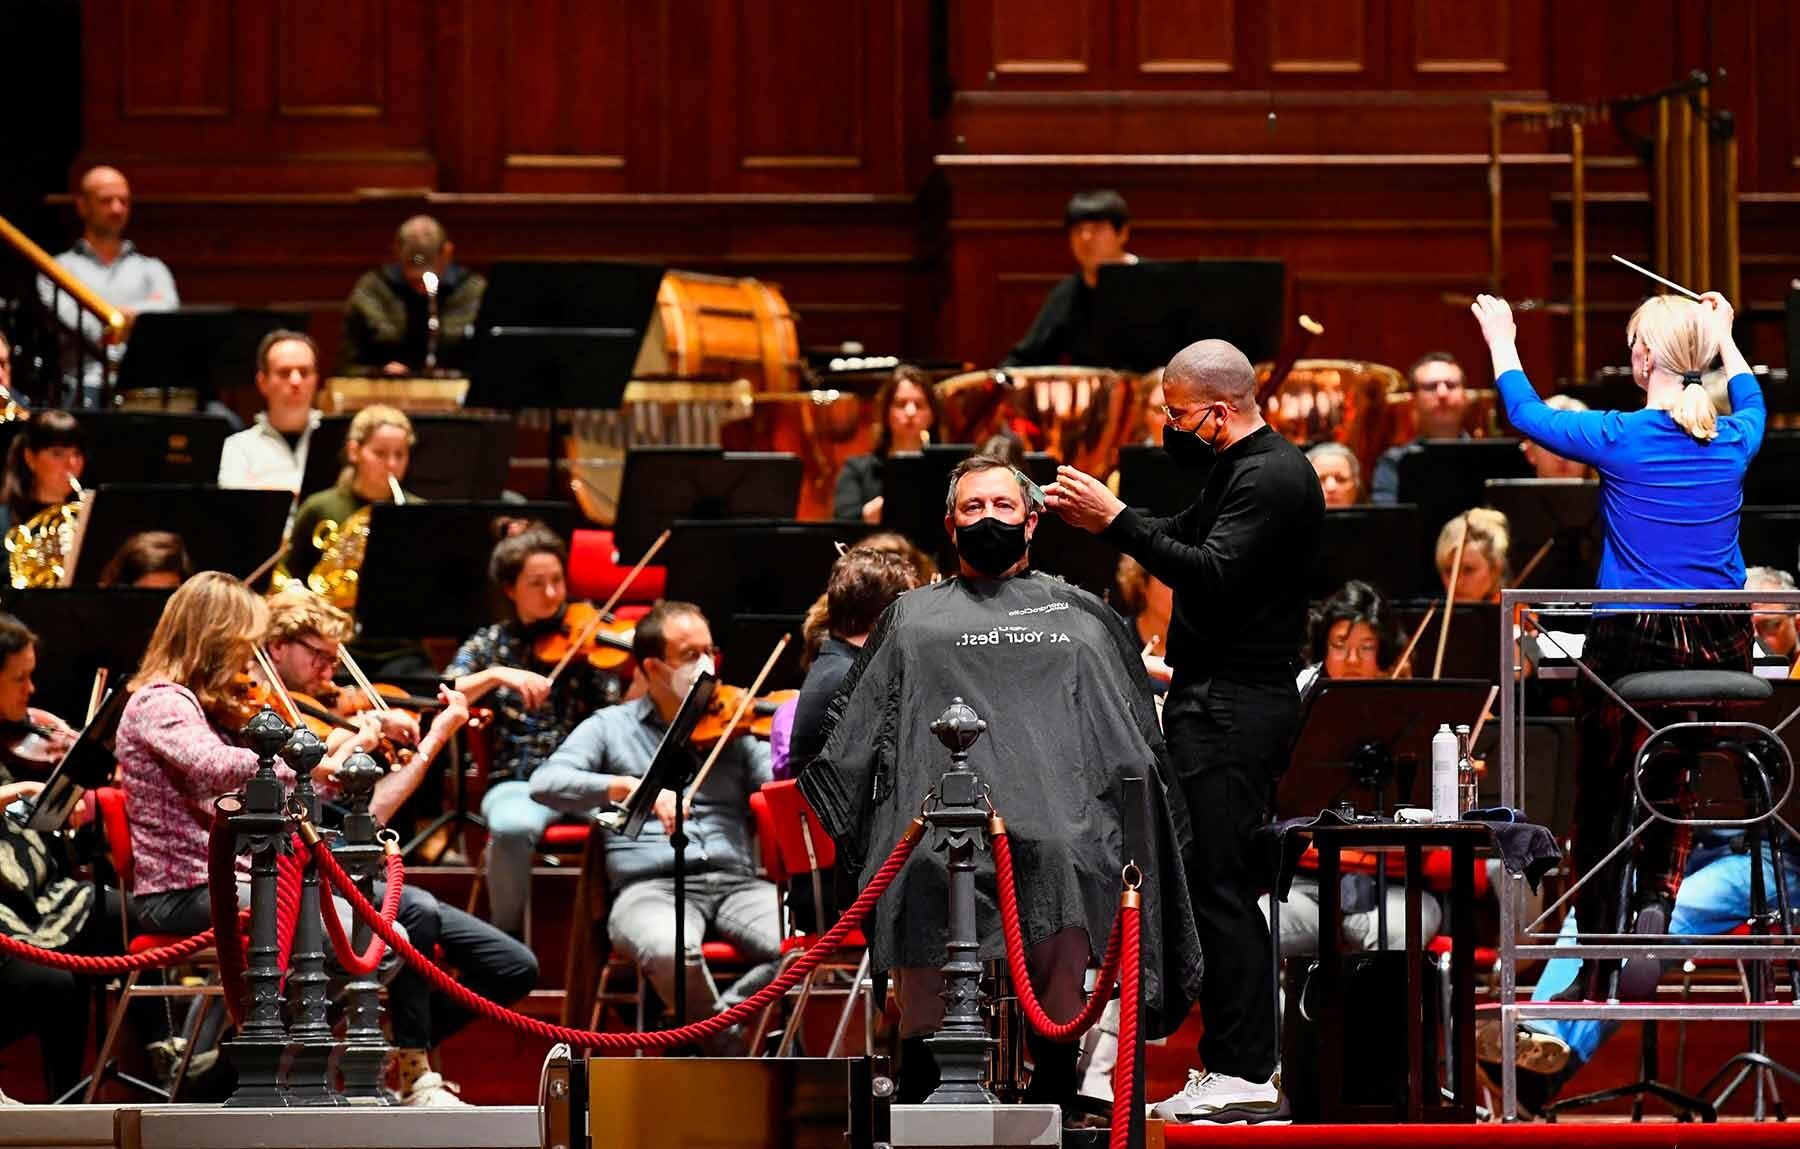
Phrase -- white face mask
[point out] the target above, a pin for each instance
(682, 679)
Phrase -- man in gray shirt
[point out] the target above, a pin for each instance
(106, 261)
(601, 763)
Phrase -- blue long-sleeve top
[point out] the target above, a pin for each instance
(1669, 501)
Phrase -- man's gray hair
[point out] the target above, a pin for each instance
(1030, 492)
(1768, 578)
(420, 239)
(1215, 369)
(1338, 451)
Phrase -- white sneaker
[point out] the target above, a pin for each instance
(431, 1091)
(1224, 1100)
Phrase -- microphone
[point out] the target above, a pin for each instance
(430, 280)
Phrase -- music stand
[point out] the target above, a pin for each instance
(560, 334)
(912, 494)
(424, 572)
(1377, 544)
(663, 484)
(234, 531)
(86, 628)
(1145, 312)
(145, 446)
(1367, 737)
(1770, 478)
(753, 566)
(1152, 481)
(87, 766)
(1473, 650)
(1445, 477)
(1770, 536)
(1566, 510)
(208, 348)
(461, 456)
(671, 768)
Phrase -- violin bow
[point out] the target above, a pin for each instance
(266, 565)
(1462, 540)
(1535, 560)
(95, 694)
(1417, 634)
(275, 683)
(605, 612)
(376, 701)
(743, 707)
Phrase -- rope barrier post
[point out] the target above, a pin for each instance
(1140, 833)
(365, 1047)
(311, 1065)
(961, 1044)
(261, 828)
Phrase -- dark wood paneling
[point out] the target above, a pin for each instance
(1043, 37)
(1325, 38)
(817, 124)
(1462, 39)
(1183, 37)
(566, 73)
(175, 57)
(310, 79)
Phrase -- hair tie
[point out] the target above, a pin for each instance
(1691, 377)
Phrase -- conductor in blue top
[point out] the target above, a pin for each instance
(1671, 486)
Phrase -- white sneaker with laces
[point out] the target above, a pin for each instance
(431, 1091)
(1224, 1100)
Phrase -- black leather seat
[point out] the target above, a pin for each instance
(1692, 687)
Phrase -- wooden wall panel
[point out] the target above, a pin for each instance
(816, 124)
(1184, 37)
(1462, 40)
(1043, 38)
(310, 79)
(176, 58)
(1323, 37)
(566, 72)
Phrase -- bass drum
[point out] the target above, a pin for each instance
(713, 327)
(1081, 415)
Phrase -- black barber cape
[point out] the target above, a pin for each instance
(1069, 714)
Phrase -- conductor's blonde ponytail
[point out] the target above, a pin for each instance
(1677, 335)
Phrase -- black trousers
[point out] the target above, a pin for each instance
(1228, 741)
(55, 1004)
(488, 961)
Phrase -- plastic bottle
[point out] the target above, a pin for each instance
(1443, 774)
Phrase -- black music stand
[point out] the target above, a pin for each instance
(1151, 480)
(1147, 311)
(208, 348)
(1366, 738)
(672, 768)
(1377, 544)
(234, 531)
(913, 484)
(1445, 477)
(424, 572)
(753, 566)
(1564, 510)
(1770, 479)
(560, 334)
(663, 484)
(1770, 536)
(87, 766)
(84, 629)
(146, 446)
(1473, 650)
(459, 456)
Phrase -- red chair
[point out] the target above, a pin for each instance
(595, 572)
(803, 851)
(109, 807)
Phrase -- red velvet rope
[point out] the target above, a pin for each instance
(1029, 1004)
(365, 963)
(590, 1039)
(1124, 1112)
(125, 963)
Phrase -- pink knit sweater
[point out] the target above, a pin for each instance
(173, 763)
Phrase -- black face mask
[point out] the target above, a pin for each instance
(991, 546)
(1187, 448)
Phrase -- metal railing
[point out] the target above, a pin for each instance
(70, 332)
(1529, 942)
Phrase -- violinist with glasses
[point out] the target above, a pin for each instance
(509, 664)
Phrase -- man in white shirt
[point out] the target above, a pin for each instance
(270, 454)
(106, 261)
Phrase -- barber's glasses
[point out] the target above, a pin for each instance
(1175, 420)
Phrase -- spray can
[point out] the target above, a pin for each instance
(1444, 748)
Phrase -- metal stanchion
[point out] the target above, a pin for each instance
(311, 1063)
(365, 1048)
(261, 827)
(961, 1044)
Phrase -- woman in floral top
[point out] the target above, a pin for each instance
(532, 717)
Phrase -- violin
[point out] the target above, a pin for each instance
(584, 632)
(758, 720)
(27, 748)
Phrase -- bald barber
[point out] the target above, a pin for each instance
(1238, 559)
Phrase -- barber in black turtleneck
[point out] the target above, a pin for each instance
(1237, 559)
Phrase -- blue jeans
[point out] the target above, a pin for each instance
(1714, 899)
(515, 825)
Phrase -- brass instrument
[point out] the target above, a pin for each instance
(39, 550)
(341, 547)
(1081, 415)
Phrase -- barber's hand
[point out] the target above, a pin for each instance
(1082, 500)
(1496, 319)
